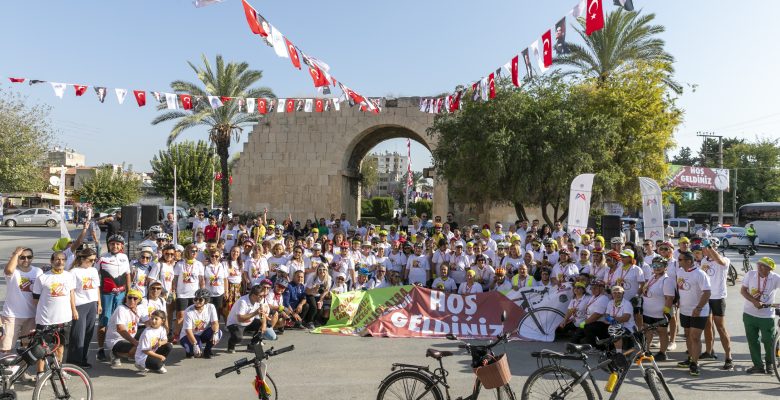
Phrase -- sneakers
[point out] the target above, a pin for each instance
(755, 370)
(116, 361)
(142, 369)
(684, 364)
(708, 356)
(770, 368)
(660, 356)
(310, 326)
(694, 369)
(728, 365)
(231, 351)
(101, 355)
(28, 377)
(162, 370)
(85, 365)
(207, 354)
(672, 346)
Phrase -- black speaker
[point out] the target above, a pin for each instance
(129, 218)
(610, 226)
(150, 216)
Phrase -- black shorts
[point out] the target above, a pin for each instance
(686, 321)
(122, 346)
(182, 303)
(651, 320)
(636, 302)
(718, 307)
(64, 333)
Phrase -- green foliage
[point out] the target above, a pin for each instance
(195, 166)
(185, 237)
(369, 176)
(421, 207)
(382, 208)
(224, 123)
(110, 189)
(25, 137)
(366, 208)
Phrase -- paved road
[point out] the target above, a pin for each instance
(352, 367)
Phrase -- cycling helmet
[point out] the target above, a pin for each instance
(364, 272)
(155, 229)
(162, 236)
(178, 247)
(714, 242)
(549, 241)
(616, 240)
(659, 262)
(202, 294)
(116, 238)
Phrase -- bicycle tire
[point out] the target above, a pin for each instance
(48, 382)
(746, 265)
(732, 276)
(562, 376)
(386, 387)
(270, 382)
(528, 328)
(504, 393)
(657, 386)
(776, 356)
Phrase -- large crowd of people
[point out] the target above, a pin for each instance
(263, 276)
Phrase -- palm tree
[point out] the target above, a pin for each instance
(628, 38)
(224, 123)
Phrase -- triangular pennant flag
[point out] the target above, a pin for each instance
(280, 105)
(578, 10)
(289, 106)
(516, 70)
(16, 80)
(319, 105)
(628, 5)
(491, 86)
(35, 81)
(254, 20)
(296, 62)
(59, 88)
(309, 106)
(120, 95)
(80, 89)
(140, 97)
(101, 93)
(204, 3)
(262, 106)
(250, 105)
(186, 101)
(529, 68)
(225, 99)
(215, 102)
(278, 41)
(170, 101)
(547, 49)
(538, 56)
(561, 47)
(594, 17)
(337, 104)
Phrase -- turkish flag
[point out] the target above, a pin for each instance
(318, 105)
(289, 105)
(547, 48)
(318, 77)
(492, 85)
(354, 96)
(293, 54)
(594, 17)
(80, 89)
(252, 20)
(262, 106)
(186, 101)
(225, 99)
(140, 97)
(16, 80)
(516, 70)
(456, 105)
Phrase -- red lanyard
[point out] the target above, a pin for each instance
(758, 285)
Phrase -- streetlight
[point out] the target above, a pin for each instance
(720, 157)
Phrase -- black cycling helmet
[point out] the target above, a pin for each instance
(116, 238)
(203, 294)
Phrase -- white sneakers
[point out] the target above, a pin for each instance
(141, 368)
(162, 370)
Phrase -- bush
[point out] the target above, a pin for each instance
(185, 237)
(370, 220)
(366, 208)
(382, 208)
(422, 207)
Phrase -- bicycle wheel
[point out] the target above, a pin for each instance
(548, 319)
(70, 379)
(408, 385)
(746, 266)
(657, 386)
(503, 393)
(270, 382)
(732, 276)
(776, 356)
(554, 382)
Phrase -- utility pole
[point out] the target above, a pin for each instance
(720, 157)
(734, 199)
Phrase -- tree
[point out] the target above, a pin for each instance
(110, 188)
(25, 137)
(369, 176)
(685, 157)
(224, 123)
(195, 166)
(628, 39)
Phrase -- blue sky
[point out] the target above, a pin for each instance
(400, 48)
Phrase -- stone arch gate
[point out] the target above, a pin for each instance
(307, 163)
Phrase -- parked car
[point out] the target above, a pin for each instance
(732, 236)
(69, 213)
(33, 216)
(683, 227)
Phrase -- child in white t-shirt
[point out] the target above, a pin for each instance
(153, 347)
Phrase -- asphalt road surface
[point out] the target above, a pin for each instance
(352, 367)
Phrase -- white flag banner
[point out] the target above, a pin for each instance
(204, 3)
(484, 87)
(652, 209)
(578, 10)
(579, 204)
(59, 88)
(170, 100)
(120, 95)
(280, 47)
(336, 104)
(539, 59)
(280, 105)
(309, 105)
(250, 106)
(215, 102)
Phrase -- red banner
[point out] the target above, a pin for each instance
(698, 178)
(431, 313)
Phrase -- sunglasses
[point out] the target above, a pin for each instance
(134, 298)
(155, 288)
(93, 259)
(25, 257)
(664, 249)
(199, 299)
(169, 254)
(215, 256)
(145, 257)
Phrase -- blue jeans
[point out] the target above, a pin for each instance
(110, 302)
(204, 340)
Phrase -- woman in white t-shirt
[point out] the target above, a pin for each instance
(236, 281)
(620, 311)
(153, 347)
(123, 328)
(153, 302)
(200, 330)
(576, 313)
(317, 289)
(418, 269)
(297, 262)
(471, 286)
(216, 276)
(654, 309)
(18, 316)
(188, 278)
(88, 306)
(277, 259)
(163, 272)
(255, 269)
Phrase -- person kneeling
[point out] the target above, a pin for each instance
(250, 312)
(200, 330)
(153, 347)
(123, 330)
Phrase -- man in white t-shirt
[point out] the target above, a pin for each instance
(18, 315)
(693, 284)
(759, 288)
(716, 267)
(249, 313)
(55, 300)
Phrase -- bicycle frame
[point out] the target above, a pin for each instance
(439, 378)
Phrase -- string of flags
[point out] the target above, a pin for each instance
(484, 89)
(318, 70)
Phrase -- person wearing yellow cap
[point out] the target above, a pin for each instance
(759, 288)
(471, 286)
(598, 243)
(123, 330)
(576, 313)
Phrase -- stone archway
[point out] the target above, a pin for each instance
(308, 163)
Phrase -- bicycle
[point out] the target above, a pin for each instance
(775, 356)
(547, 315)
(747, 252)
(555, 381)
(59, 381)
(407, 381)
(732, 275)
(265, 387)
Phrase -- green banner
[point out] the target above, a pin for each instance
(351, 311)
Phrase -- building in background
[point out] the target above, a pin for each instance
(65, 156)
(391, 173)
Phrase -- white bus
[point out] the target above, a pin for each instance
(765, 218)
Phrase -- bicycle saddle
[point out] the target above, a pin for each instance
(8, 361)
(577, 348)
(437, 354)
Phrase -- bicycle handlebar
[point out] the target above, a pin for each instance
(246, 362)
(499, 339)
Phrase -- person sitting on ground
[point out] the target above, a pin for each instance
(576, 313)
(471, 286)
(295, 296)
(279, 306)
(200, 330)
(153, 347)
(250, 313)
(362, 279)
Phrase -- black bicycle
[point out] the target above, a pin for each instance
(59, 381)
(747, 252)
(417, 382)
(557, 382)
(264, 385)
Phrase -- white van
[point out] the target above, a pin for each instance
(683, 227)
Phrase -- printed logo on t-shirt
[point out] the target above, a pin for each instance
(229, 236)
(141, 279)
(154, 343)
(683, 284)
(25, 284)
(87, 283)
(168, 276)
(234, 271)
(187, 277)
(214, 281)
(57, 290)
(150, 309)
(131, 327)
(199, 325)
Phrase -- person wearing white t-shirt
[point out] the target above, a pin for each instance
(443, 281)
(188, 279)
(620, 311)
(55, 299)
(123, 328)
(18, 316)
(576, 313)
(694, 288)
(483, 273)
(230, 235)
(215, 274)
(250, 312)
(471, 286)
(716, 267)
(418, 270)
(200, 330)
(153, 347)
(759, 289)
(88, 306)
(595, 323)
(658, 286)
(501, 283)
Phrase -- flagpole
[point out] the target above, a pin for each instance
(175, 214)
(212, 179)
